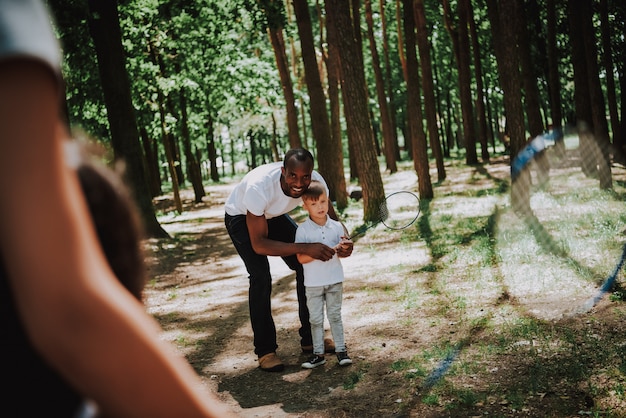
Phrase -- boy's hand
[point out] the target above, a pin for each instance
(345, 247)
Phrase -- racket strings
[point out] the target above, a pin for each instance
(400, 210)
(383, 211)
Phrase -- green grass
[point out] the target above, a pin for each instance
(501, 291)
(487, 265)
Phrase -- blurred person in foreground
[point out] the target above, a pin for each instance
(72, 330)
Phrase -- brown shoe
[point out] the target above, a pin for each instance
(329, 347)
(271, 363)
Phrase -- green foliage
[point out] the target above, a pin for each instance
(352, 379)
(217, 53)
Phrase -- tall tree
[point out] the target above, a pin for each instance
(333, 72)
(107, 37)
(529, 82)
(389, 79)
(554, 83)
(428, 86)
(415, 126)
(179, 59)
(589, 102)
(598, 106)
(329, 150)
(385, 117)
(481, 113)
(529, 78)
(620, 141)
(465, 83)
(505, 47)
(582, 101)
(607, 64)
(356, 109)
(460, 38)
(166, 135)
(274, 11)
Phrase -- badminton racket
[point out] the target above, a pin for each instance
(526, 155)
(607, 285)
(398, 211)
(565, 213)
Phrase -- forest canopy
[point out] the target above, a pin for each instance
(189, 92)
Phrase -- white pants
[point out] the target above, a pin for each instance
(316, 297)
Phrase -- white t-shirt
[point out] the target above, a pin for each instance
(26, 31)
(260, 193)
(317, 272)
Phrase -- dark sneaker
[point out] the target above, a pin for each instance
(343, 358)
(313, 362)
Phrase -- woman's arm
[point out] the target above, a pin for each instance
(77, 314)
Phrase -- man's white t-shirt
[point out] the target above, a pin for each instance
(317, 272)
(26, 31)
(260, 193)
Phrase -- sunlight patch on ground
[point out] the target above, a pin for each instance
(477, 206)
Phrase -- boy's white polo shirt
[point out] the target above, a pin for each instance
(317, 272)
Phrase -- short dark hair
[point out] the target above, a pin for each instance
(314, 191)
(299, 154)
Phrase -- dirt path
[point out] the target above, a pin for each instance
(199, 294)
(392, 309)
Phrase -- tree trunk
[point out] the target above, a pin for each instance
(355, 27)
(150, 150)
(607, 63)
(193, 165)
(415, 128)
(481, 114)
(531, 91)
(503, 33)
(333, 71)
(581, 92)
(329, 153)
(554, 81)
(106, 34)
(430, 105)
(620, 140)
(165, 137)
(274, 140)
(211, 151)
(356, 111)
(389, 79)
(465, 82)
(529, 78)
(401, 42)
(598, 107)
(385, 118)
(278, 45)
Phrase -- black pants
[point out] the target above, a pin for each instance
(281, 228)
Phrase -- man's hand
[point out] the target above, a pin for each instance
(345, 247)
(320, 251)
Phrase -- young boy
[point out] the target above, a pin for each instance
(323, 280)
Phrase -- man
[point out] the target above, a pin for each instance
(258, 223)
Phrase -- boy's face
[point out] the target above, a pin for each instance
(317, 208)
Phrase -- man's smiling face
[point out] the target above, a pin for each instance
(296, 177)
